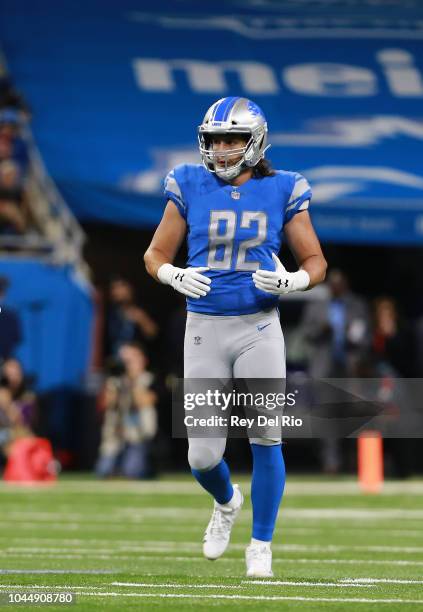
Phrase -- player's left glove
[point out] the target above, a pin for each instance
(280, 281)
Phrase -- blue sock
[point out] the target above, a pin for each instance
(266, 488)
(216, 481)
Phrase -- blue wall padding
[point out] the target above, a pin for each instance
(56, 311)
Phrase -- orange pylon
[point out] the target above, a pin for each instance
(370, 461)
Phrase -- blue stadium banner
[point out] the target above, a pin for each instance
(118, 88)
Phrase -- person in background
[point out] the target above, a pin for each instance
(5, 149)
(394, 358)
(130, 418)
(126, 322)
(18, 403)
(10, 131)
(11, 98)
(337, 331)
(14, 209)
(392, 343)
(10, 325)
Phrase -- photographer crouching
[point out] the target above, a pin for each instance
(130, 418)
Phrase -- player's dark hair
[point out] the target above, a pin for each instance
(263, 168)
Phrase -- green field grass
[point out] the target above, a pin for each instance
(128, 545)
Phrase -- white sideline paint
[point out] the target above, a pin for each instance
(352, 561)
(251, 597)
(199, 514)
(137, 529)
(43, 586)
(399, 562)
(190, 528)
(173, 585)
(339, 585)
(383, 580)
(89, 526)
(54, 571)
(98, 593)
(193, 546)
(303, 488)
(242, 585)
(169, 546)
(342, 583)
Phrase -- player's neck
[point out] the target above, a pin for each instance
(242, 178)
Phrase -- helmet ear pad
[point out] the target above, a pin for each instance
(251, 153)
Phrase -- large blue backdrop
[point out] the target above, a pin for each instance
(117, 89)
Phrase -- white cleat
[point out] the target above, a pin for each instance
(259, 561)
(218, 532)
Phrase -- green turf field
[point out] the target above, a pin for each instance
(126, 545)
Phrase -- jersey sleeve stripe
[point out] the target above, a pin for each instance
(175, 199)
(173, 192)
(304, 205)
(294, 204)
(300, 188)
(299, 199)
(172, 186)
(178, 203)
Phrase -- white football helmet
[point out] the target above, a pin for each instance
(238, 117)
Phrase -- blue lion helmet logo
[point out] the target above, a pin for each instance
(254, 109)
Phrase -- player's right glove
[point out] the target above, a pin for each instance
(188, 281)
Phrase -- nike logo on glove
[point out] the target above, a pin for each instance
(261, 327)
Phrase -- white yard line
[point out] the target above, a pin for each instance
(117, 527)
(342, 583)
(343, 548)
(173, 585)
(378, 531)
(186, 487)
(381, 581)
(339, 585)
(199, 514)
(242, 585)
(170, 546)
(68, 587)
(352, 513)
(99, 593)
(252, 597)
(54, 571)
(159, 558)
(398, 562)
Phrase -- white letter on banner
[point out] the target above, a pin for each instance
(330, 80)
(403, 78)
(203, 77)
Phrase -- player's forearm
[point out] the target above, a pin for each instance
(315, 266)
(154, 259)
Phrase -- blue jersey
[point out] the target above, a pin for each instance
(233, 231)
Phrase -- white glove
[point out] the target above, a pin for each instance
(187, 281)
(280, 281)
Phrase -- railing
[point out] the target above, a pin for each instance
(61, 239)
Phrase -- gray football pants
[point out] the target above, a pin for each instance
(244, 346)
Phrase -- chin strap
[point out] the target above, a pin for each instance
(243, 166)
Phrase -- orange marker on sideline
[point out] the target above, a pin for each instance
(370, 461)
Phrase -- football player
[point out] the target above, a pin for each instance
(234, 210)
